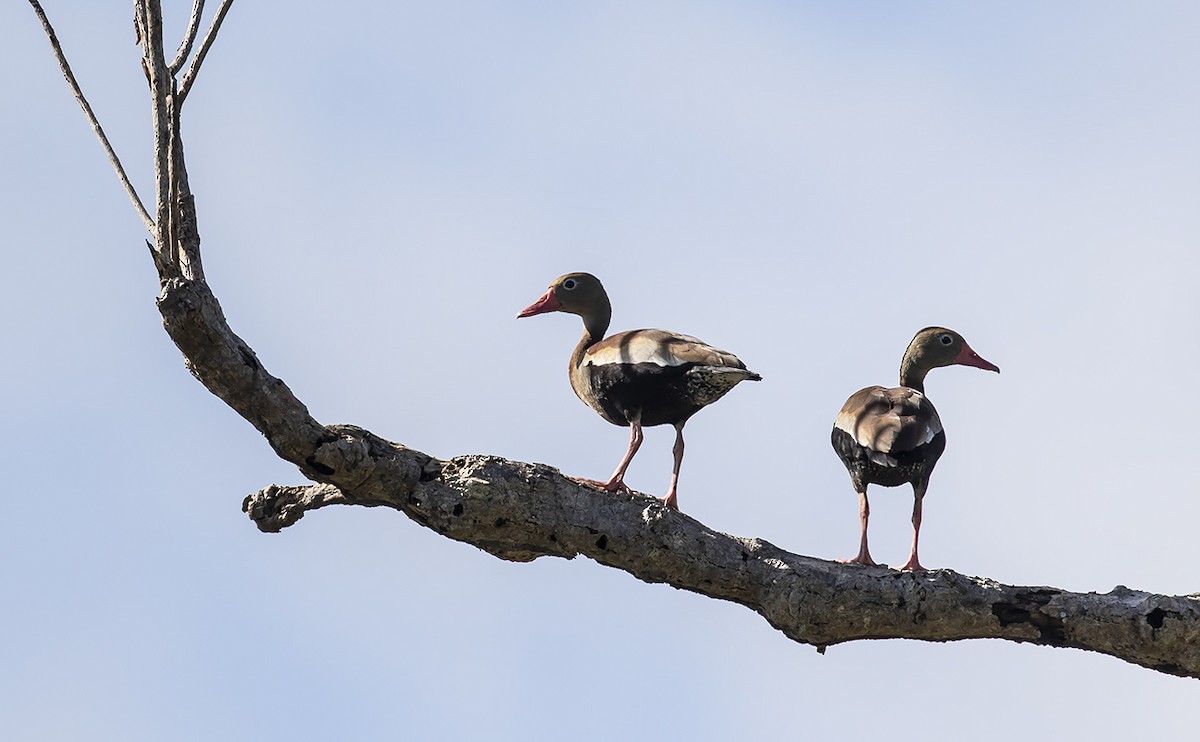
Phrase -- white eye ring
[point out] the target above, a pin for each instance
(570, 284)
(946, 339)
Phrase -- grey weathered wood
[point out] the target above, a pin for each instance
(520, 511)
(210, 35)
(189, 37)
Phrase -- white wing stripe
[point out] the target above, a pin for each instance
(638, 350)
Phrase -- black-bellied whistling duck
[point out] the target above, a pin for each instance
(640, 377)
(893, 436)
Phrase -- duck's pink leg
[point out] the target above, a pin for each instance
(672, 500)
(864, 514)
(616, 483)
(913, 564)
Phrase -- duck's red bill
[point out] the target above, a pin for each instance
(548, 303)
(968, 357)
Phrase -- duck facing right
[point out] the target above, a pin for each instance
(893, 436)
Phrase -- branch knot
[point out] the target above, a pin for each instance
(346, 457)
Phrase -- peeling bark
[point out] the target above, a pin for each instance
(519, 512)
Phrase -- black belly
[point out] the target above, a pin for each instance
(916, 464)
(659, 394)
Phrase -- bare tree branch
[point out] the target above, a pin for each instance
(520, 512)
(186, 256)
(149, 19)
(185, 48)
(209, 36)
(227, 366)
(91, 116)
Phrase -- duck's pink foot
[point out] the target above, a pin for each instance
(612, 485)
(671, 501)
(863, 558)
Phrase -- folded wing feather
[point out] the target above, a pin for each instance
(658, 347)
(889, 421)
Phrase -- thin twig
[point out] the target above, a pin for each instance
(162, 85)
(91, 115)
(173, 159)
(209, 36)
(186, 47)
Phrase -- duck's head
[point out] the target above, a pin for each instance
(934, 347)
(574, 293)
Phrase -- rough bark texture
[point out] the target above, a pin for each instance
(520, 511)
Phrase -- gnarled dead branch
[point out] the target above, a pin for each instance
(520, 511)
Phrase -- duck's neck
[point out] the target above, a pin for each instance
(595, 324)
(912, 373)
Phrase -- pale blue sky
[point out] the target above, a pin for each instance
(806, 185)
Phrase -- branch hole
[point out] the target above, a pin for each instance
(1010, 614)
(500, 523)
(458, 509)
(602, 542)
(553, 538)
(1155, 618)
(318, 466)
(1051, 630)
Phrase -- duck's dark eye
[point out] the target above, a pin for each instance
(570, 284)
(946, 339)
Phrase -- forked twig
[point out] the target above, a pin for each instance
(185, 86)
(185, 48)
(91, 115)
